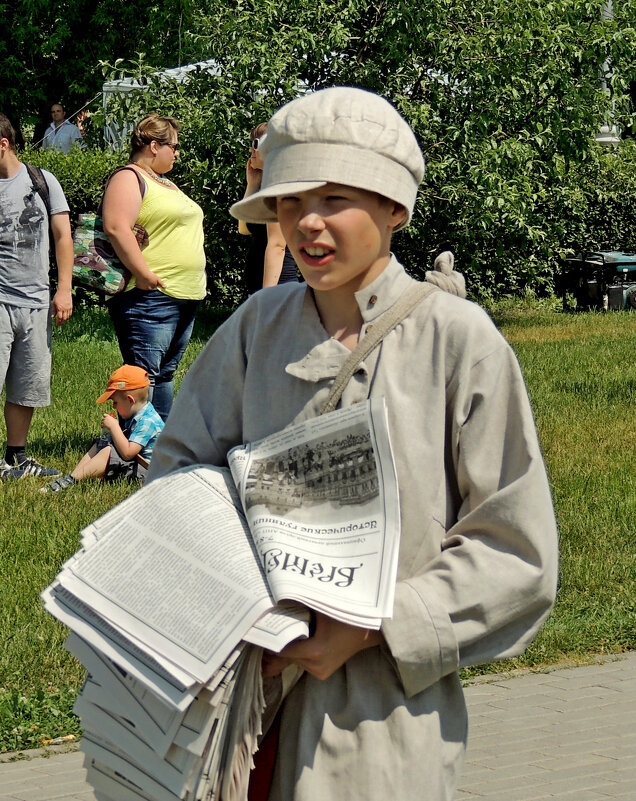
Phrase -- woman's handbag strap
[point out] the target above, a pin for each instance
(389, 320)
(140, 180)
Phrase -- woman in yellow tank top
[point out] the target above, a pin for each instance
(154, 317)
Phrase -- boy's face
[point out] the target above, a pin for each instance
(339, 236)
(123, 404)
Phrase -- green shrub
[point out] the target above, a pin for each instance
(82, 174)
(506, 249)
(504, 97)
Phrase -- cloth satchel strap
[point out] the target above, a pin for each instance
(389, 320)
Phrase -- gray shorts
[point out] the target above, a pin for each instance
(120, 468)
(25, 355)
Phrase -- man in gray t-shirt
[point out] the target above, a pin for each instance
(25, 305)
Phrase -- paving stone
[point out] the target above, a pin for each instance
(583, 795)
(626, 772)
(14, 770)
(583, 744)
(52, 793)
(515, 793)
(617, 751)
(525, 703)
(565, 735)
(517, 758)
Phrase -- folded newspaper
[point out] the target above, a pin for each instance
(175, 592)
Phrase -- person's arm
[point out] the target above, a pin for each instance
(62, 303)
(120, 210)
(493, 582)
(126, 449)
(274, 255)
(78, 139)
(253, 178)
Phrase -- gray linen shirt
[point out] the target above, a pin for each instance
(478, 554)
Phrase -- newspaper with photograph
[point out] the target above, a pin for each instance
(176, 590)
(321, 504)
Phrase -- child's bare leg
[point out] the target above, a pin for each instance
(92, 466)
(85, 458)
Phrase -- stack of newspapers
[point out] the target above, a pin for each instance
(175, 593)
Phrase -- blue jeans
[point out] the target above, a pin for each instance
(153, 331)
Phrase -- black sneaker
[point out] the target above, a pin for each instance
(30, 467)
(6, 471)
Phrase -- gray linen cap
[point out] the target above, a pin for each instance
(340, 135)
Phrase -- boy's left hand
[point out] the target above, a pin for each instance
(109, 422)
(329, 648)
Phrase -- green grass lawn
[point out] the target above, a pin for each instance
(581, 373)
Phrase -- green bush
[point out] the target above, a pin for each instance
(592, 207)
(504, 96)
(502, 248)
(82, 174)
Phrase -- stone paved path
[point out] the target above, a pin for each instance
(569, 735)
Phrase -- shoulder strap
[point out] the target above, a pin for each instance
(389, 320)
(39, 184)
(140, 181)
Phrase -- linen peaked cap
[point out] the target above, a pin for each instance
(340, 135)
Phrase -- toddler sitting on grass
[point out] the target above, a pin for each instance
(125, 448)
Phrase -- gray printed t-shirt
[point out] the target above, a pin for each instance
(24, 239)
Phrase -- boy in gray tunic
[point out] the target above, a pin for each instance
(25, 304)
(380, 714)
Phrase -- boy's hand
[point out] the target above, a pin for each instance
(321, 655)
(110, 422)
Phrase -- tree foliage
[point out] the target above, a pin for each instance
(50, 49)
(504, 96)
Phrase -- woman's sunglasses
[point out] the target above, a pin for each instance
(174, 146)
(256, 143)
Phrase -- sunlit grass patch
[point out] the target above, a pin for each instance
(581, 375)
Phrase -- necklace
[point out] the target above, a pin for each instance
(153, 174)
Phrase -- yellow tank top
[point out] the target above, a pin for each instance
(175, 232)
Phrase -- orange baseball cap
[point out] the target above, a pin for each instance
(126, 377)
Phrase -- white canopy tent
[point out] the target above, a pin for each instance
(117, 131)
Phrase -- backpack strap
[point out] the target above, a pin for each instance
(39, 184)
(389, 320)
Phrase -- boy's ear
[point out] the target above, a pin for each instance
(398, 214)
(130, 398)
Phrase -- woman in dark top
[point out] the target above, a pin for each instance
(269, 261)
